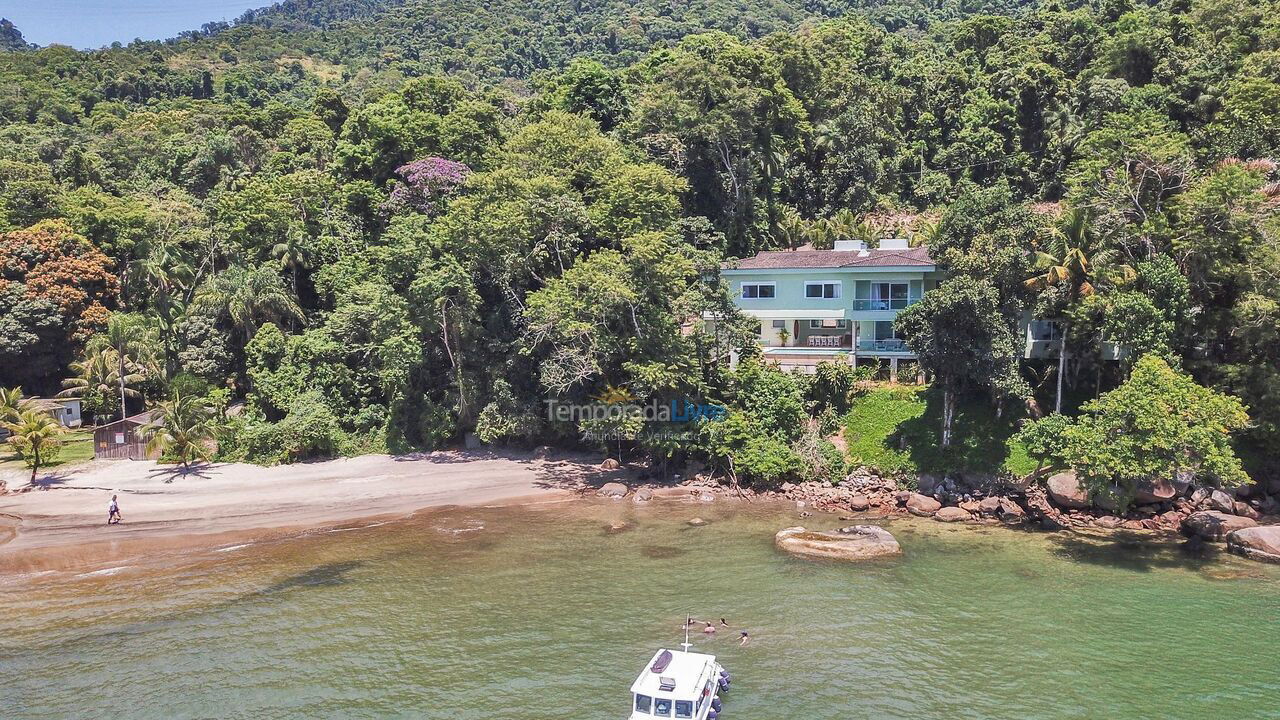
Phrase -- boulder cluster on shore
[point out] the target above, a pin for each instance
(1247, 518)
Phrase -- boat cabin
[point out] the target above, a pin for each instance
(675, 684)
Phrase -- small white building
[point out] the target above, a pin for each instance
(65, 410)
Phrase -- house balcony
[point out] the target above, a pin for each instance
(891, 347)
(884, 304)
(810, 351)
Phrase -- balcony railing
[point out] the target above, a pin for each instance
(890, 345)
(889, 304)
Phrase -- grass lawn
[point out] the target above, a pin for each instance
(896, 429)
(77, 447)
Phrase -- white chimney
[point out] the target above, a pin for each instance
(850, 245)
(894, 244)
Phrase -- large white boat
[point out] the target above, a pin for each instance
(679, 684)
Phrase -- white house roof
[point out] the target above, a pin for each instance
(689, 670)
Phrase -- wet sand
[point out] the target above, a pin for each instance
(62, 523)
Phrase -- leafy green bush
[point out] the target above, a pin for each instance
(1158, 424)
(820, 460)
(310, 430)
(834, 385)
(187, 384)
(436, 426)
(506, 418)
(1045, 439)
(765, 460)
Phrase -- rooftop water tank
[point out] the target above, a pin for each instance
(850, 245)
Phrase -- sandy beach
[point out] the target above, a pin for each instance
(63, 520)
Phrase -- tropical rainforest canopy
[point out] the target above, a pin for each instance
(384, 224)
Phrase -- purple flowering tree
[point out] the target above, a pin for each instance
(425, 182)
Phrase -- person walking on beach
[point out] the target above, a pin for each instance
(113, 512)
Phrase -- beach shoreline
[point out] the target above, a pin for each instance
(61, 524)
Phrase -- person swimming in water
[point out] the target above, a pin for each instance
(709, 629)
(745, 639)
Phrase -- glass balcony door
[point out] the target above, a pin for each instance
(885, 295)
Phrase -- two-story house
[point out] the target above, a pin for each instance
(840, 304)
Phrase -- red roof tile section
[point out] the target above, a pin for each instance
(795, 259)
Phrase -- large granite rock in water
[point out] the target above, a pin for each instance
(1259, 543)
(1214, 525)
(613, 490)
(922, 505)
(857, 542)
(952, 514)
(1065, 491)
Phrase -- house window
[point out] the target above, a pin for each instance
(820, 324)
(825, 290)
(119, 438)
(758, 291)
(1045, 330)
(885, 331)
(886, 295)
(779, 324)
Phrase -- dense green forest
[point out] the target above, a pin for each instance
(384, 225)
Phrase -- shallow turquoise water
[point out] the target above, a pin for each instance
(543, 613)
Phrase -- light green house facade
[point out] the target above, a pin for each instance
(816, 305)
(840, 305)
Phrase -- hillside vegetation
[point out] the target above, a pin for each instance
(386, 225)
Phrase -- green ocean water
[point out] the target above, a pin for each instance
(545, 612)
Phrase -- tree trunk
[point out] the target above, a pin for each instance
(948, 414)
(35, 462)
(121, 378)
(463, 413)
(1062, 368)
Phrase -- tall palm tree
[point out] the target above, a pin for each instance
(927, 234)
(33, 433)
(844, 223)
(1074, 261)
(99, 373)
(163, 275)
(184, 426)
(162, 270)
(133, 345)
(791, 228)
(292, 257)
(250, 297)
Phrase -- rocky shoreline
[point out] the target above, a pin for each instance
(1246, 519)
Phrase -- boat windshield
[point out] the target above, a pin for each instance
(643, 703)
(684, 709)
(662, 707)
